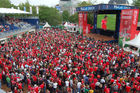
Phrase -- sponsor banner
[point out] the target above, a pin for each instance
(80, 22)
(134, 32)
(85, 23)
(128, 25)
(58, 8)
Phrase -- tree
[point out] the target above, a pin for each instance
(90, 17)
(27, 5)
(65, 15)
(73, 18)
(50, 15)
(84, 3)
(5, 4)
(118, 2)
(137, 3)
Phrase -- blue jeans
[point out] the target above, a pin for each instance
(44, 89)
(79, 90)
(8, 84)
(74, 91)
(0, 83)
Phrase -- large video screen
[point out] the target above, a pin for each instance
(106, 22)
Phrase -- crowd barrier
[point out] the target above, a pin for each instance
(13, 32)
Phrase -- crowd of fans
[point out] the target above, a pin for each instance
(12, 24)
(4, 28)
(55, 61)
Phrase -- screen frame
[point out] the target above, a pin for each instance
(107, 19)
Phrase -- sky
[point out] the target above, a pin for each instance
(50, 2)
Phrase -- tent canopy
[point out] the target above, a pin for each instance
(135, 42)
(46, 25)
(12, 11)
(66, 24)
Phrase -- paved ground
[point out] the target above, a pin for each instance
(99, 37)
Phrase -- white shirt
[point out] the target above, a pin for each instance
(67, 83)
(79, 85)
(55, 85)
(102, 81)
(71, 82)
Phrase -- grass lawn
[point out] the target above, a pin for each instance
(111, 21)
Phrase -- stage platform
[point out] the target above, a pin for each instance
(100, 37)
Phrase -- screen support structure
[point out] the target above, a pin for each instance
(116, 32)
(105, 9)
(95, 23)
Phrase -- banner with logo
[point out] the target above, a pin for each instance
(134, 31)
(58, 8)
(128, 25)
(85, 28)
(80, 22)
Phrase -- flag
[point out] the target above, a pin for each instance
(18, 8)
(37, 10)
(24, 8)
(30, 10)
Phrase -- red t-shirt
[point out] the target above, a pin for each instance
(37, 89)
(20, 86)
(128, 88)
(34, 78)
(16, 91)
(59, 82)
(42, 86)
(0, 76)
(92, 85)
(104, 24)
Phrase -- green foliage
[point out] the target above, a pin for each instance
(136, 3)
(74, 18)
(65, 15)
(90, 18)
(5, 4)
(84, 3)
(27, 5)
(50, 15)
(139, 17)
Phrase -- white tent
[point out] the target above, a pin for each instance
(12, 11)
(66, 24)
(46, 25)
(135, 42)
